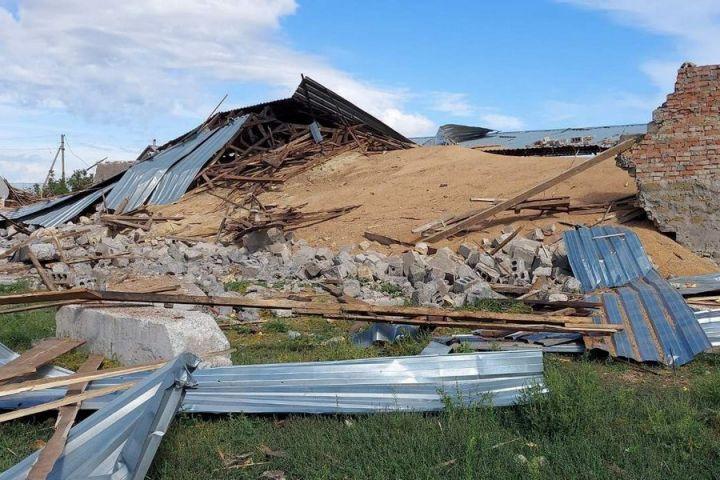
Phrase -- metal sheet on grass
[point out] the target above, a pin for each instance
(658, 326)
(119, 441)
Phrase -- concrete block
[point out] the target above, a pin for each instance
(465, 250)
(463, 284)
(134, 336)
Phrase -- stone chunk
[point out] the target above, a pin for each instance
(135, 336)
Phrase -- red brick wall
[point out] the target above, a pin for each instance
(677, 164)
(684, 140)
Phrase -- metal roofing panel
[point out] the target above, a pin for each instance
(603, 136)
(28, 210)
(696, 283)
(709, 320)
(178, 178)
(605, 256)
(658, 324)
(349, 386)
(384, 332)
(325, 100)
(67, 212)
(120, 440)
(139, 181)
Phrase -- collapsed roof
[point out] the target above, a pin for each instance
(561, 141)
(314, 114)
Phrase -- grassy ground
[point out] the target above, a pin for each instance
(600, 420)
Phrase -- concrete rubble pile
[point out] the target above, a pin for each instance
(273, 258)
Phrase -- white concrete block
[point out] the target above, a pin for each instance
(137, 335)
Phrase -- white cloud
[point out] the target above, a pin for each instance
(456, 104)
(694, 25)
(137, 61)
(497, 121)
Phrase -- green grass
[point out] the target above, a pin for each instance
(600, 420)
(15, 287)
(389, 289)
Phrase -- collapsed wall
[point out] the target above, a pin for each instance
(677, 163)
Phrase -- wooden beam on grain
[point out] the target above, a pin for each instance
(41, 354)
(24, 412)
(41, 270)
(539, 188)
(246, 178)
(67, 414)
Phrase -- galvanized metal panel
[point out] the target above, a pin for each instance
(120, 440)
(139, 181)
(415, 383)
(321, 99)
(384, 332)
(178, 178)
(350, 386)
(36, 207)
(602, 136)
(696, 284)
(67, 212)
(709, 321)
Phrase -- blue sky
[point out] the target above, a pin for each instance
(113, 76)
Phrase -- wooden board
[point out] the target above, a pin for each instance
(24, 412)
(41, 354)
(522, 196)
(53, 449)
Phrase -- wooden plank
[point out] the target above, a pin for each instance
(41, 270)
(53, 382)
(41, 354)
(39, 306)
(246, 178)
(67, 414)
(505, 242)
(24, 412)
(539, 188)
(41, 296)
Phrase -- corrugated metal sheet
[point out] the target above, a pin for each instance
(323, 100)
(385, 333)
(178, 178)
(67, 212)
(36, 207)
(658, 324)
(415, 383)
(696, 284)
(350, 386)
(605, 256)
(710, 322)
(452, 134)
(120, 441)
(139, 181)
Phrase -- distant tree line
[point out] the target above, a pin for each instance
(79, 180)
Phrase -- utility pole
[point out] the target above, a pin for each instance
(62, 156)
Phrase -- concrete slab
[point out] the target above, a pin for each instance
(136, 335)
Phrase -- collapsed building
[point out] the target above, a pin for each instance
(249, 148)
(677, 164)
(560, 141)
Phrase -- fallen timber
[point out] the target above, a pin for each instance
(483, 215)
(431, 317)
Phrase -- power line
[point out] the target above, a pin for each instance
(67, 144)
